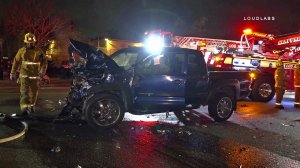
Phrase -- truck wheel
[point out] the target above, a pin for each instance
(104, 111)
(221, 108)
(263, 90)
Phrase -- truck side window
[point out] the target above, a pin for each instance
(177, 62)
(155, 65)
(196, 65)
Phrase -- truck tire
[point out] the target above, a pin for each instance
(221, 108)
(262, 90)
(104, 111)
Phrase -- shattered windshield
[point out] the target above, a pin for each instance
(125, 59)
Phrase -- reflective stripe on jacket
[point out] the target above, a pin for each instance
(30, 61)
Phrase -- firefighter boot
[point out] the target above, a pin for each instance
(32, 109)
(279, 106)
(25, 115)
(279, 97)
(297, 97)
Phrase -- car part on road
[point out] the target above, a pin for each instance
(16, 136)
(184, 117)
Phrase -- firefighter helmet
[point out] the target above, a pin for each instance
(279, 63)
(29, 38)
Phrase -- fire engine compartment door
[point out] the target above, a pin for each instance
(160, 82)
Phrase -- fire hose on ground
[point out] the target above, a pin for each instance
(16, 136)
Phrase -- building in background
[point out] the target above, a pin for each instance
(57, 53)
(109, 46)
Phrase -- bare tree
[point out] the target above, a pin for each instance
(199, 26)
(38, 17)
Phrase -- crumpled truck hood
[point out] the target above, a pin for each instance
(95, 59)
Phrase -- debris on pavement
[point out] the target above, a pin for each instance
(242, 149)
(163, 132)
(2, 117)
(56, 149)
(62, 102)
(287, 125)
(189, 133)
(204, 126)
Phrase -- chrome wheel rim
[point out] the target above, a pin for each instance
(106, 112)
(224, 107)
(265, 90)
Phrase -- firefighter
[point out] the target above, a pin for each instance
(280, 84)
(32, 64)
(297, 85)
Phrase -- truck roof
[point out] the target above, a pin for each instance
(169, 49)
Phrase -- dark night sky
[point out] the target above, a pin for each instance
(128, 19)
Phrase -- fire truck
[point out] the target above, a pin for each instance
(256, 52)
(208, 46)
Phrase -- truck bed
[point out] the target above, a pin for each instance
(242, 76)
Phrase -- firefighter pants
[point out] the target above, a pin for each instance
(279, 95)
(28, 92)
(297, 95)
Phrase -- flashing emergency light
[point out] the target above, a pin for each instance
(154, 44)
(247, 31)
(217, 58)
(240, 49)
(252, 75)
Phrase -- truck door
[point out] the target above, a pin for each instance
(160, 82)
(197, 78)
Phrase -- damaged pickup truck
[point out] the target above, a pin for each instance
(136, 81)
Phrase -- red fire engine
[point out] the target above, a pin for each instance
(260, 55)
(257, 52)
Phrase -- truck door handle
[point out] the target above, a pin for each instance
(177, 81)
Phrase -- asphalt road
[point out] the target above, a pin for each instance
(256, 135)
